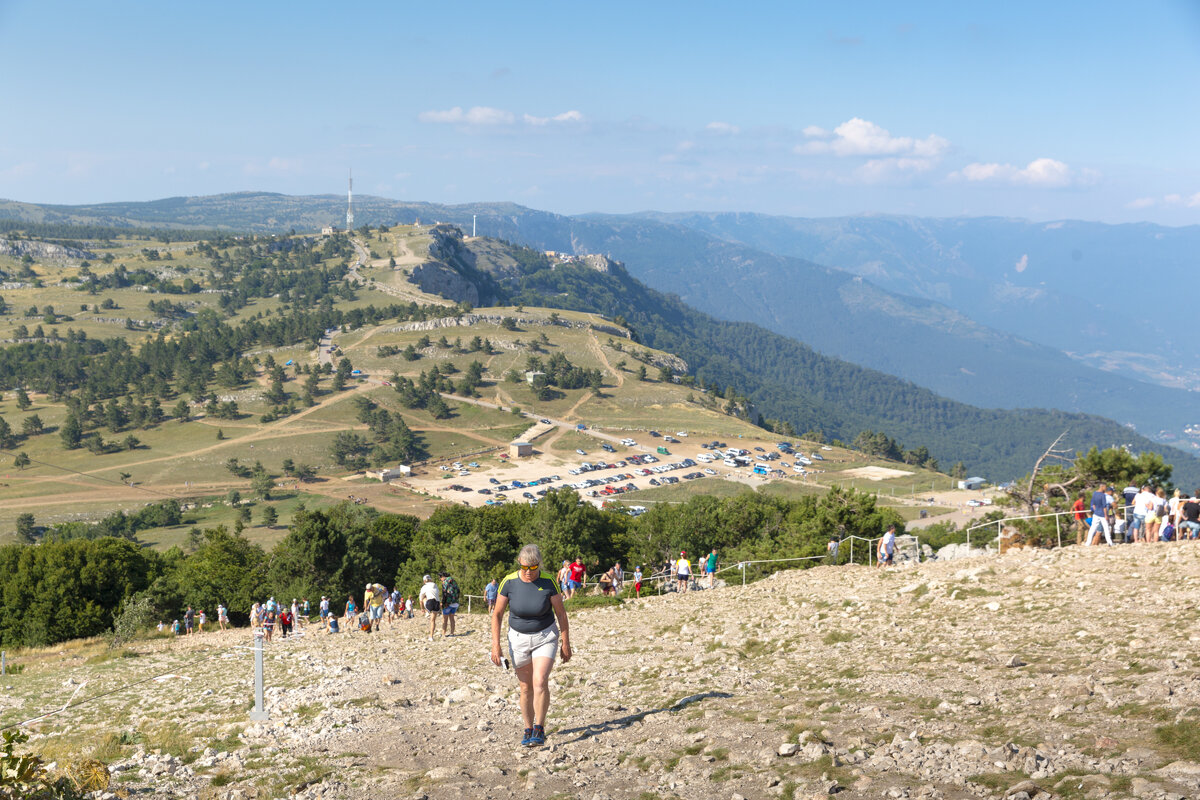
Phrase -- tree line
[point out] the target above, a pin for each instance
(65, 588)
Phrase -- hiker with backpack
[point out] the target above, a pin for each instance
(450, 596)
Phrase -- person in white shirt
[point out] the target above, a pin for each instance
(683, 571)
(887, 547)
(1143, 507)
(431, 600)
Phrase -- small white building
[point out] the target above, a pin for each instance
(520, 449)
(530, 376)
(390, 473)
(972, 483)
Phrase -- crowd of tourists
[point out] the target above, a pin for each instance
(1140, 515)
(532, 597)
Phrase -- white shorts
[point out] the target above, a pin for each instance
(524, 647)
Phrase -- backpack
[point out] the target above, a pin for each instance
(450, 592)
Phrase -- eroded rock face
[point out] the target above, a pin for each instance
(437, 278)
(1022, 675)
(42, 250)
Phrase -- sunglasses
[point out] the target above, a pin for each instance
(533, 568)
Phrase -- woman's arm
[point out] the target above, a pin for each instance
(564, 631)
(497, 616)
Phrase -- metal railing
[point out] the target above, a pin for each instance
(1057, 515)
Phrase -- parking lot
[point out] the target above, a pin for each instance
(614, 466)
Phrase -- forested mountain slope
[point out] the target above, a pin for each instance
(789, 380)
(1067, 284)
(833, 311)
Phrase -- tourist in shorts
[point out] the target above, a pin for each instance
(710, 566)
(637, 581)
(189, 621)
(576, 577)
(683, 571)
(222, 616)
(450, 597)
(537, 634)
(431, 601)
(887, 547)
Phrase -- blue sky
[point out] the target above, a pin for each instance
(1030, 109)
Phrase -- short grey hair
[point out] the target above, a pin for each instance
(530, 554)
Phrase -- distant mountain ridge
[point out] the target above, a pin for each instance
(1097, 290)
(834, 311)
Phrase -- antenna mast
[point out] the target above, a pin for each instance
(350, 204)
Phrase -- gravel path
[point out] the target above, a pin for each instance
(1024, 675)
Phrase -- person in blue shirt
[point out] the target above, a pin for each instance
(490, 593)
(1101, 507)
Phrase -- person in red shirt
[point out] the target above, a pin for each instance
(285, 621)
(577, 577)
(1080, 519)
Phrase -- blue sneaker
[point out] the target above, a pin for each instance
(538, 737)
(525, 742)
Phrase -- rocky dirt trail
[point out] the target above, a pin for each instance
(1034, 674)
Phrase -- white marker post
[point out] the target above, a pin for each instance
(259, 714)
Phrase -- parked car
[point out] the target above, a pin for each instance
(545, 421)
(580, 451)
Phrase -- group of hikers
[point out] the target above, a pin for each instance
(538, 631)
(193, 621)
(1141, 515)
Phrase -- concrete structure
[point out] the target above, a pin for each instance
(972, 483)
(530, 376)
(520, 449)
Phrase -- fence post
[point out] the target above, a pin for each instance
(742, 567)
(259, 714)
(3, 662)
(851, 549)
(468, 604)
(1058, 526)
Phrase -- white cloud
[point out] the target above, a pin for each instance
(1174, 199)
(723, 127)
(566, 116)
(1141, 202)
(1043, 172)
(882, 170)
(860, 137)
(1022, 263)
(477, 115)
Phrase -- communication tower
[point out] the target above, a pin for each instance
(350, 204)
